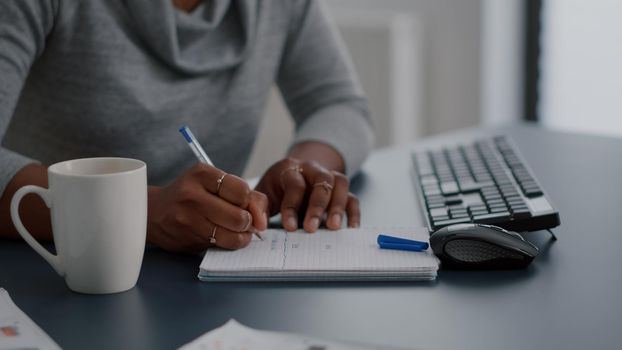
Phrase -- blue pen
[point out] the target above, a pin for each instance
(199, 152)
(397, 243)
(195, 146)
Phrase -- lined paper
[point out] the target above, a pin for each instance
(343, 254)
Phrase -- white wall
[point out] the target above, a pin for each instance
(387, 52)
(450, 97)
(502, 61)
(581, 66)
(447, 91)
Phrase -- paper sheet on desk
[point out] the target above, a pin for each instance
(347, 254)
(18, 331)
(235, 336)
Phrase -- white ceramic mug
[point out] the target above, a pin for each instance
(99, 222)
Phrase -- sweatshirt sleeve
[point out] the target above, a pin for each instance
(24, 26)
(320, 87)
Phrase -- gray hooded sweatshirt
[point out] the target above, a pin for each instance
(119, 77)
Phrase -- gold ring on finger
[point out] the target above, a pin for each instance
(327, 187)
(297, 168)
(219, 182)
(212, 239)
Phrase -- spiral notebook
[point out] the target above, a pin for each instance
(343, 255)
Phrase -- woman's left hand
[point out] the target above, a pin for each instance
(295, 187)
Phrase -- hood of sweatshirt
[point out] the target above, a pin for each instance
(217, 35)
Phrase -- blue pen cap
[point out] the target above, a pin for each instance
(184, 131)
(398, 246)
(390, 242)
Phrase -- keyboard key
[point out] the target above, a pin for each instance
(428, 180)
(472, 186)
(453, 200)
(443, 223)
(529, 183)
(493, 197)
(457, 209)
(436, 205)
(460, 214)
(449, 177)
(438, 212)
(449, 188)
(507, 188)
(479, 212)
(492, 218)
(483, 178)
(423, 164)
(498, 209)
(519, 209)
(531, 189)
(477, 206)
(503, 181)
(490, 191)
(510, 193)
(521, 213)
(435, 198)
(534, 193)
(495, 201)
(430, 191)
(515, 200)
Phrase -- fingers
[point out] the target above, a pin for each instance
(320, 191)
(338, 202)
(185, 215)
(234, 190)
(226, 186)
(353, 210)
(231, 218)
(207, 205)
(181, 233)
(225, 214)
(200, 233)
(224, 238)
(322, 182)
(258, 207)
(294, 188)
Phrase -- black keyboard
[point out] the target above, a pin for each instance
(486, 181)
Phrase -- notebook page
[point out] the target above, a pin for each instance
(346, 250)
(354, 250)
(258, 255)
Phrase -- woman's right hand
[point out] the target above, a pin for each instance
(185, 215)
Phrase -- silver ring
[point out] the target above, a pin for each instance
(213, 238)
(219, 182)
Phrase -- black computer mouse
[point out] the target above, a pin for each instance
(478, 246)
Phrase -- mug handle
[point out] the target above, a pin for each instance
(45, 195)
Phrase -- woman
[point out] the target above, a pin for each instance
(117, 78)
